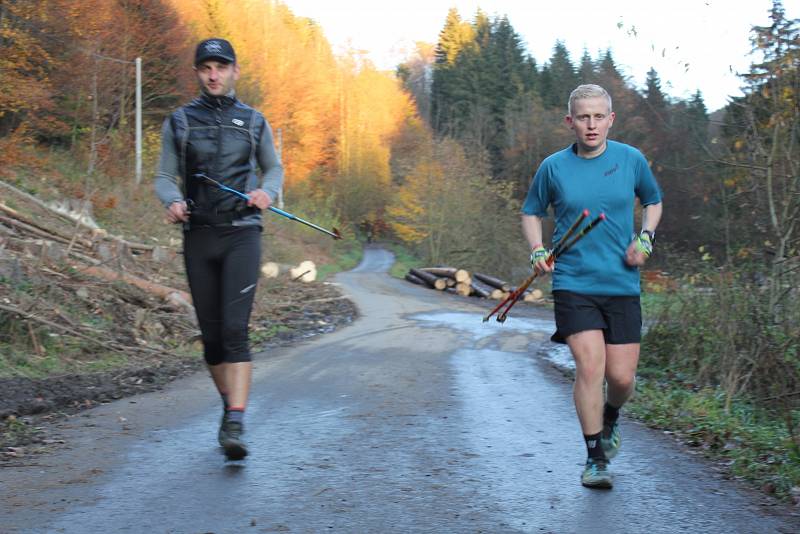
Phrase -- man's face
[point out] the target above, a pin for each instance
(217, 78)
(590, 120)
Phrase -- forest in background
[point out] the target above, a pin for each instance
(458, 129)
(438, 155)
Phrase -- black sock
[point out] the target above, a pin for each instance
(593, 447)
(236, 415)
(610, 414)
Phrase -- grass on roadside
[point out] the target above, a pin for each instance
(346, 255)
(723, 379)
(403, 260)
(755, 445)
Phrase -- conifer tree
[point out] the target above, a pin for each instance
(561, 76)
(454, 37)
(586, 71)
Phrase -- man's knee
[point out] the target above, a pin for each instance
(621, 381)
(213, 351)
(236, 348)
(590, 368)
(238, 357)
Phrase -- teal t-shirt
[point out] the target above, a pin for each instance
(608, 184)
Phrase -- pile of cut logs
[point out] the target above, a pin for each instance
(467, 284)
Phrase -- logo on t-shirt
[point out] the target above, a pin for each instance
(612, 170)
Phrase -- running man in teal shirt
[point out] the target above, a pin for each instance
(596, 283)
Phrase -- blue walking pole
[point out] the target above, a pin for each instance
(334, 234)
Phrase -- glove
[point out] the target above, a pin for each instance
(644, 242)
(539, 253)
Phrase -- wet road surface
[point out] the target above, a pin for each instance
(416, 418)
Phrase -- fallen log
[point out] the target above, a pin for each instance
(47, 232)
(32, 230)
(534, 295)
(498, 294)
(430, 279)
(480, 290)
(483, 288)
(463, 289)
(180, 300)
(415, 279)
(305, 272)
(95, 233)
(272, 269)
(459, 275)
(492, 281)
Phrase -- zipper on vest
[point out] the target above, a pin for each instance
(218, 119)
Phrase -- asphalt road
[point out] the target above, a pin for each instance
(416, 418)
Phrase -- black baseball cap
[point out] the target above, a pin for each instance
(218, 49)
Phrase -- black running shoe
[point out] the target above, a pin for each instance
(231, 440)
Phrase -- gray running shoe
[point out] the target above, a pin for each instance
(231, 440)
(596, 475)
(221, 433)
(611, 439)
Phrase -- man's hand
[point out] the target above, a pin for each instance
(177, 212)
(259, 198)
(639, 250)
(539, 260)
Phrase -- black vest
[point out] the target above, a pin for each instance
(217, 136)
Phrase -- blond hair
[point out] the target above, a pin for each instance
(588, 90)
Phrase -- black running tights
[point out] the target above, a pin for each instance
(222, 266)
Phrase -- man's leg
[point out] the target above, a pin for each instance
(218, 375)
(241, 270)
(235, 379)
(232, 381)
(621, 363)
(203, 272)
(588, 349)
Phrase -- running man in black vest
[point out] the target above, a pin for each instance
(218, 136)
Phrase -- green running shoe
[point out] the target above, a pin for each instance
(611, 439)
(231, 440)
(596, 475)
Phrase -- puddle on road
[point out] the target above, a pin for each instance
(559, 355)
(473, 324)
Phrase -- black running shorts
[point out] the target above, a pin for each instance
(620, 318)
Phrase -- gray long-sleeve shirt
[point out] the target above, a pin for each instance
(166, 182)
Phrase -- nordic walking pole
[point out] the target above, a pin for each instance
(564, 246)
(334, 233)
(529, 280)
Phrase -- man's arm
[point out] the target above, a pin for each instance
(532, 230)
(166, 181)
(270, 165)
(640, 248)
(651, 216)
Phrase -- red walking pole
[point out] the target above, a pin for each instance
(562, 246)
